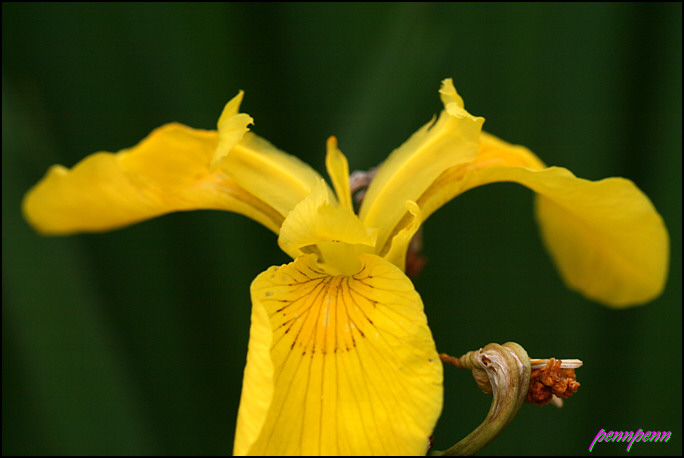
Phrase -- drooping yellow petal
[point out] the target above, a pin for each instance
(167, 171)
(414, 166)
(274, 177)
(606, 238)
(492, 151)
(338, 365)
(319, 225)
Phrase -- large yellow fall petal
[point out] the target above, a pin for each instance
(414, 166)
(338, 365)
(274, 177)
(606, 238)
(167, 171)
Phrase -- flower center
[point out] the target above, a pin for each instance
(328, 316)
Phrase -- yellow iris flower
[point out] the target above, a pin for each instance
(341, 359)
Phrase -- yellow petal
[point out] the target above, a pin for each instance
(606, 238)
(338, 365)
(453, 181)
(167, 171)
(317, 224)
(494, 151)
(232, 126)
(276, 178)
(401, 241)
(414, 166)
(338, 170)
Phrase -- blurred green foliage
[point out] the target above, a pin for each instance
(134, 342)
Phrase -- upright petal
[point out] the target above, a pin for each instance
(338, 365)
(606, 238)
(338, 170)
(414, 166)
(274, 177)
(167, 171)
(400, 242)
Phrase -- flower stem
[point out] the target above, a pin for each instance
(503, 370)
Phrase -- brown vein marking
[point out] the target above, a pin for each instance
(318, 314)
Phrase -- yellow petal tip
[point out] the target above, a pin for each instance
(232, 126)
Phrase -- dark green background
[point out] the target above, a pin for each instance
(134, 342)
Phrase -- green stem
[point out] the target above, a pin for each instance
(506, 368)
